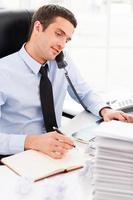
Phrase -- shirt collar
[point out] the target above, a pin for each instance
(29, 61)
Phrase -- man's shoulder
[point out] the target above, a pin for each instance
(8, 64)
(8, 60)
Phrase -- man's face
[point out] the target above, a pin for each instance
(50, 42)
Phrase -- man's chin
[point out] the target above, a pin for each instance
(51, 58)
(54, 56)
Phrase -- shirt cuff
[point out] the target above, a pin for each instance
(102, 109)
(96, 110)
(16, 143)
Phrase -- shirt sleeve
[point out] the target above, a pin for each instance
(10, 143)
(90, 98)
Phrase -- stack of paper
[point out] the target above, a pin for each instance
(113, 175)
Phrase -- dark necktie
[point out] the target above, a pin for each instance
(47, 102)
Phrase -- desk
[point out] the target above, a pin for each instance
(76, 185)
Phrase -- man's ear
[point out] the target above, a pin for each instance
(38, 26)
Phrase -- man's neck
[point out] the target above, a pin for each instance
(32, 52)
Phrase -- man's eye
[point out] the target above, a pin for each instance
(58, 34)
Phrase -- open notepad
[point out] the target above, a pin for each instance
(36, 165)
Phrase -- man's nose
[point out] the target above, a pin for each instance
(62, 44)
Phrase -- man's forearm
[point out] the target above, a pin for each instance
(11, 143)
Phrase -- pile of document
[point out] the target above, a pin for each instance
(113, 174)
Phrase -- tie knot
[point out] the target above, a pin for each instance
(43, 69)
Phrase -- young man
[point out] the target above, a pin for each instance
(21, 122)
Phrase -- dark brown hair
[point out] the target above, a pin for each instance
(47, 14)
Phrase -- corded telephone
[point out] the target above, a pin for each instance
(125, 105)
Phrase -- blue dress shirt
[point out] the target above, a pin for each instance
(20, 109)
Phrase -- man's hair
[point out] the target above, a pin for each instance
(47, 14)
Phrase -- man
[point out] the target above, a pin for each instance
(21, 124)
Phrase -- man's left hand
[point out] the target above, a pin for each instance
(110, 114)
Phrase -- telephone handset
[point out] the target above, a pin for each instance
(60, 60)
(125, 105)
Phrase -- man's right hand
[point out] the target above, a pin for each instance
(53, 144)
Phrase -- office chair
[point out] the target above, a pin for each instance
(14, 28)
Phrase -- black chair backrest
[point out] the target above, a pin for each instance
(14, 28)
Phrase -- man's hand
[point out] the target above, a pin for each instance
(110, 114)
(129, 118)
(53, 144)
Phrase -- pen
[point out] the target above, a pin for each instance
(58, 131)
